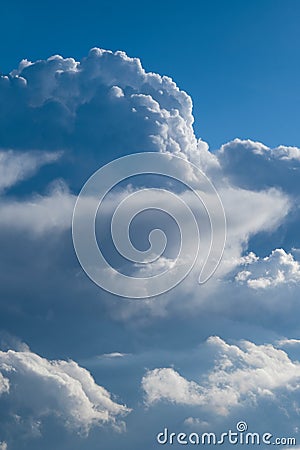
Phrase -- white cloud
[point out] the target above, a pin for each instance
(277, 269)
(17, 166)
(4, 384)
(167, 384)
(281, 152)
(253, 165)
(58, 388)
(242, 375)
(106, 103)
(286, 153)
(95, 110)
(287, 342)
(109, 105)
(39, 214)
(113, 355)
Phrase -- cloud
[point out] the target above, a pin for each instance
(107, 105)
(285, 341)
(17, 166)
(113, 355)
(56, 388)
(269, 272)
(4, 384)
(253, 165)
(242, 375)
(89, 113)
(167, 384)
(94, 110)
(102, 107)
(39, 214)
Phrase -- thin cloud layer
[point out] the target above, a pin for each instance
(17, 166)
(40, 214)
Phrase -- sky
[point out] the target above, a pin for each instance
(239, 61)
(211, 89)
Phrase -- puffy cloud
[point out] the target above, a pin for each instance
(94, 111)
(108, 105)
(167, 384)
(102, 107)
(278, 268)
(242, 375)
(253, 165)
(56, 388)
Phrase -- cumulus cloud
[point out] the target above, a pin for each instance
(167, 384)
(93, 111)
(105, 105)
(285, 341)
(253, 165)
(109, 105)
(56, 388)
(278, 268)
(242, 375)
(97, 109)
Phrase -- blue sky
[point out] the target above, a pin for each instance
(238, 60)
(81, 367)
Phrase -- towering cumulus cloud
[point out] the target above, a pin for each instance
(60, 121)
(104, 106)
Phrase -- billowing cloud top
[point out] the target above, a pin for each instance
(243, 375)
(61, 389)
(105, 105)
(60, 120)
